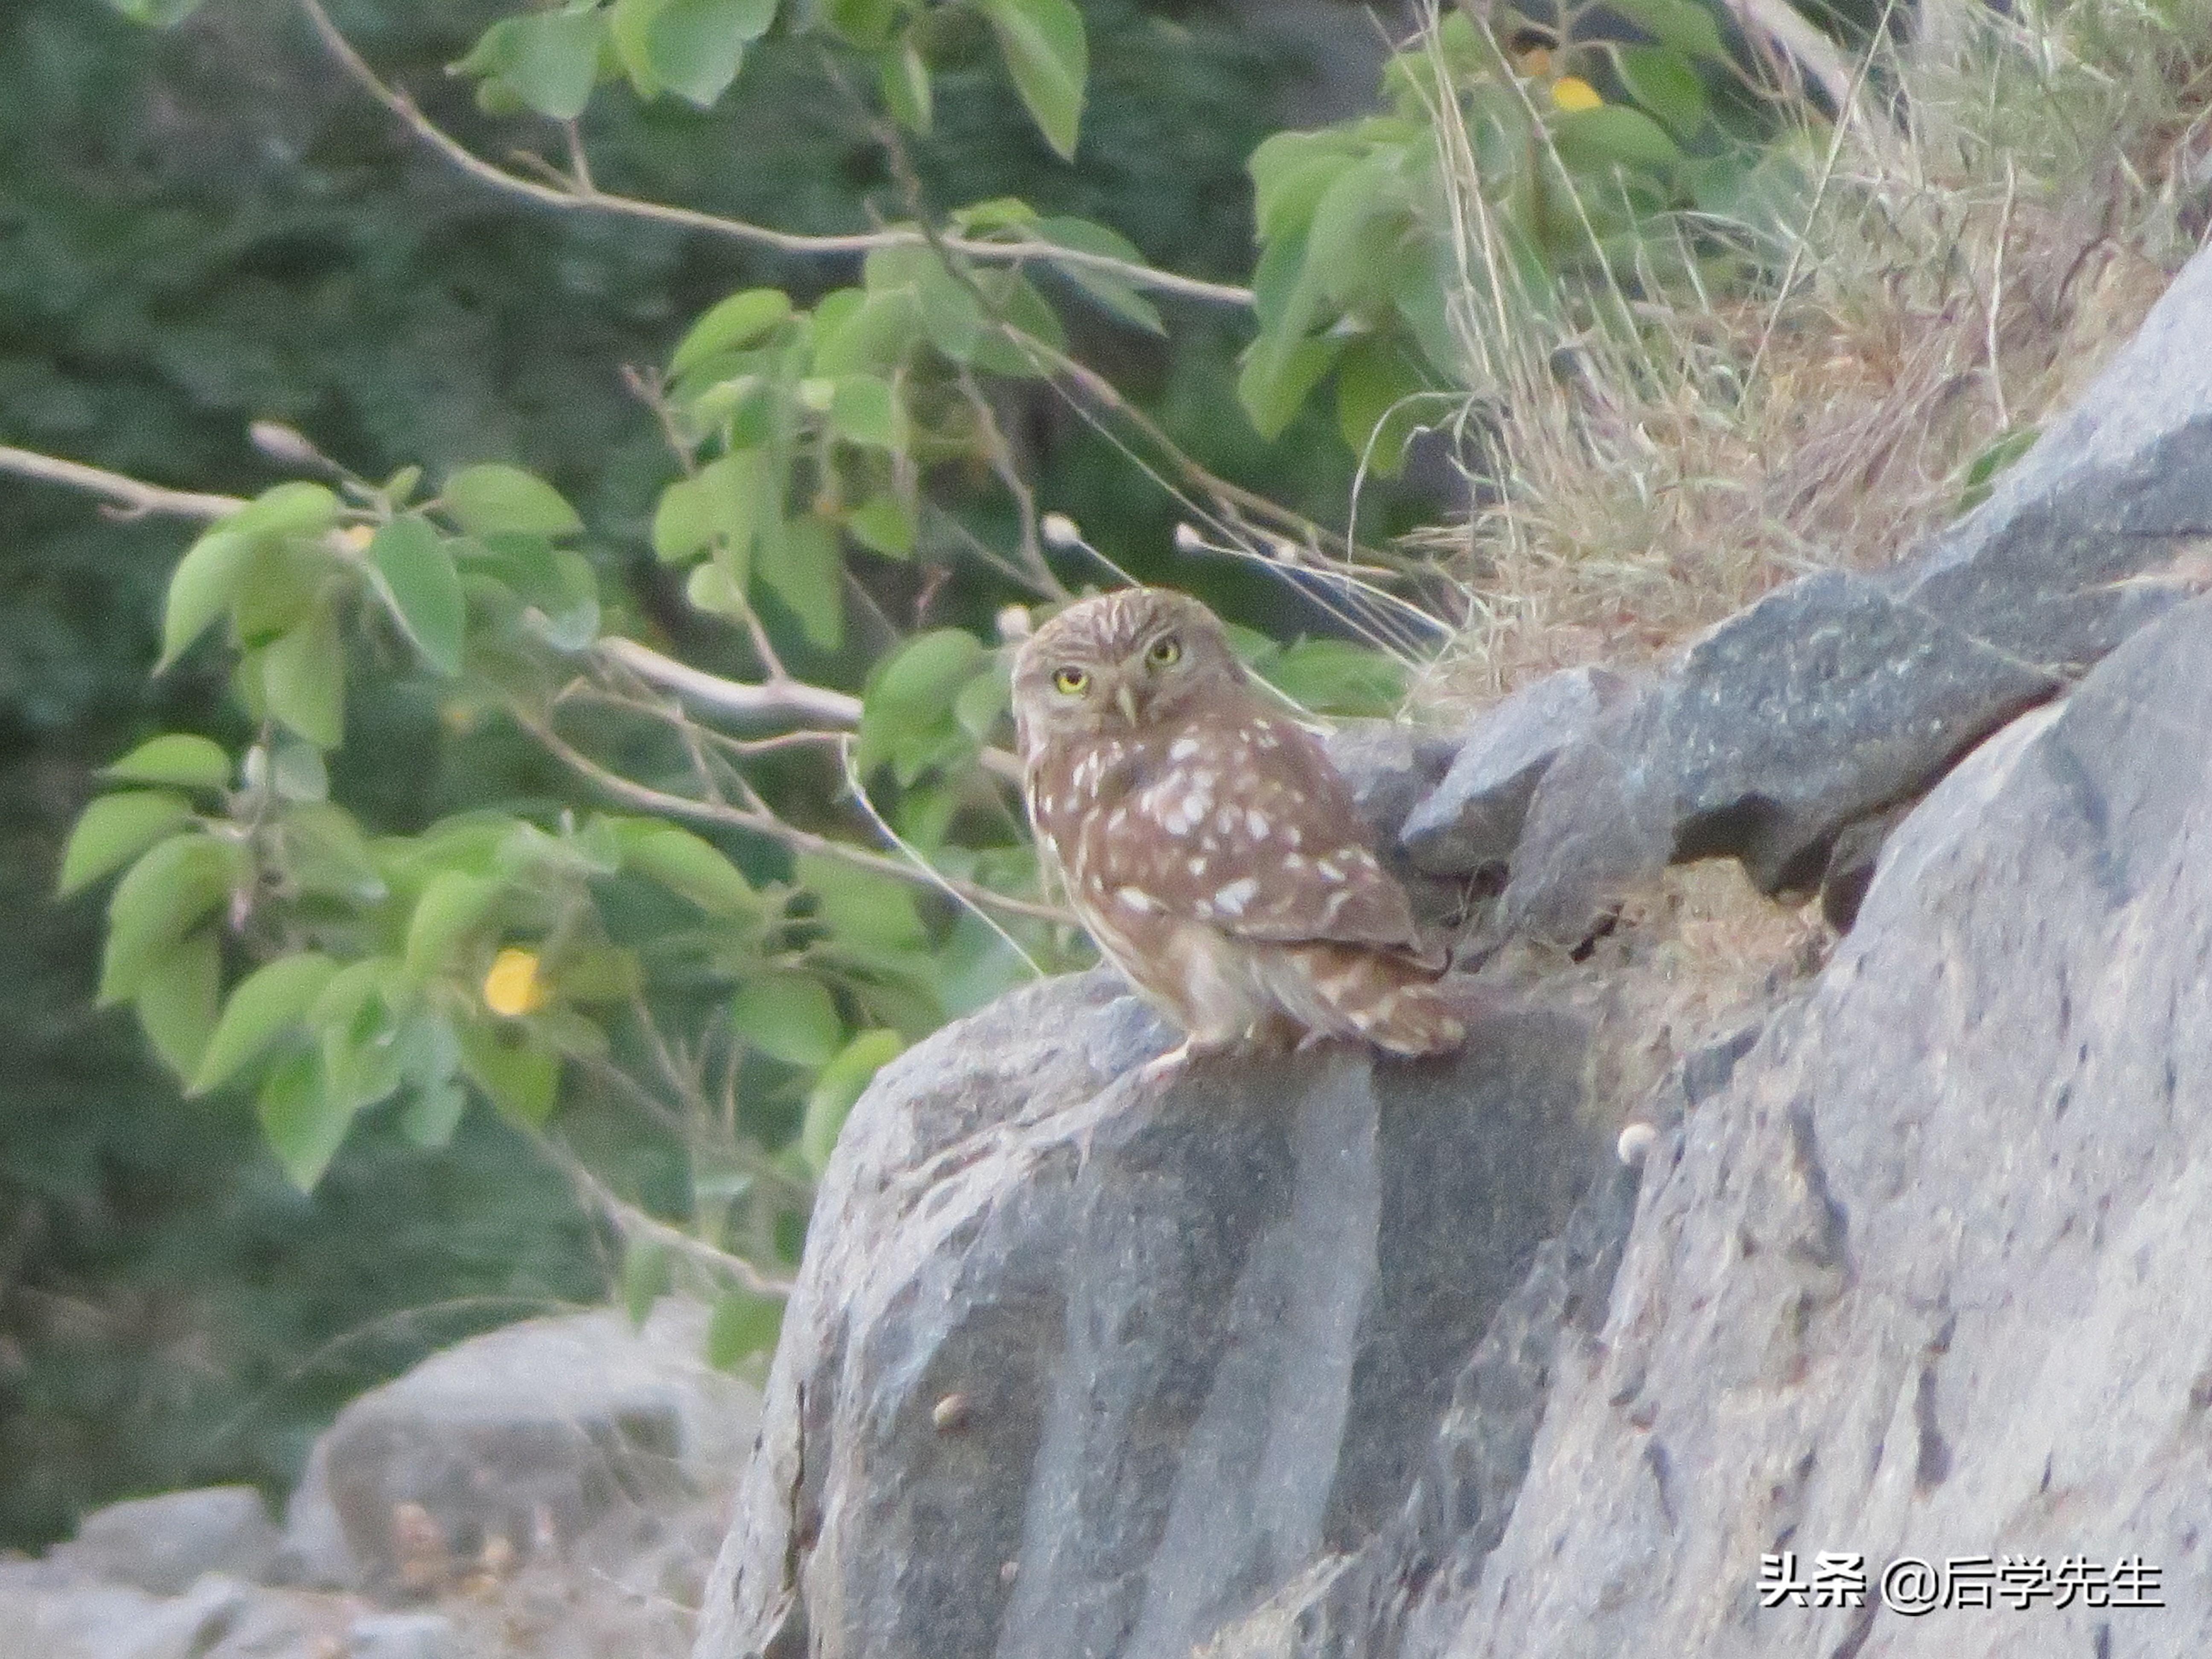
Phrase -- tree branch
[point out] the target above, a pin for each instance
(131, 498)
(579, 192)
(758, 822)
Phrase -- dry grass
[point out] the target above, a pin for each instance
(1970, 260)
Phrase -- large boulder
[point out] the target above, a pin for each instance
(1925, 1279)
(1914, 1274)
(521, 1441)
(163, 1543)
(1080, 1364)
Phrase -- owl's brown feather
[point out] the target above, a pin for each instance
(1210, 848)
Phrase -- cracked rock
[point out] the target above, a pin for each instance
(1472, 817)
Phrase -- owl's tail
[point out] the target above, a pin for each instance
(1398, 1003)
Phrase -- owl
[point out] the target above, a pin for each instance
(1208, 847)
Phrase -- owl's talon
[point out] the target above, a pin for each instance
(1159, 1072)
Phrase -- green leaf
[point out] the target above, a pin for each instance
(884, 525)
(952, 316)
(164, 896)
(903, 76)
(687, 864)
(323, 851)
(1114, 294)
(1983, 471)
(303, 677)
(1598, 139)
(1276, 377)
(518, 1073)
(453, 904)
(178, 999)
(1046, 51)
(178, 758)
(288, 509)
(433, 1111)
(1660, 81)
(788, 1016)
(872, 914)
(115, 829)
(550, 59)
(1681, 26)
(803, 567)
(918, 680)
(863, 410)
(492, 498)
(646, 1277)
(983, 700)
(304, 1122)
(157, 13)
(267, 1002)
(696, 45)
(738, 321)
(725, 498)
(840, 1083)
(741, 1324)
(424, 589)
(630, 31)
(875, 331)
(1378, 402)
(1331, 676)
(905, 715)
(201, 588)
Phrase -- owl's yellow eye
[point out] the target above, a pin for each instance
(1071, 680)
(1166, 651)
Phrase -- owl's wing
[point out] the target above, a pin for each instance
(1243, 824)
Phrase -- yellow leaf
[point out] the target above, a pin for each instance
(1572, 92)
(512, 986)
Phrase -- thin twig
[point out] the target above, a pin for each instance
(762, 822)
(634, 1221)
(586, 196)
(859, 790)
(132, 497)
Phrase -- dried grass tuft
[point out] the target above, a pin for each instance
(1983, 238)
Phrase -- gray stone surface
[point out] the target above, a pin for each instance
(1841, 695)
(533, 1434)
(163, 1544)
(1925, 1277)
(1472, 817)
(2100, 527)
(91, 1620)
(1082, 1365)
(1823, 702)
(1389, 765)
(402, 1635)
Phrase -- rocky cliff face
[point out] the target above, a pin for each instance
(1330, 1358)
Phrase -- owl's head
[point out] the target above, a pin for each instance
(1118, 662)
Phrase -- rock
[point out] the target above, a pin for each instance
(2100, 527)
(1079, 1365)
(90, 1621)
(163, 1544)
(1389, 765)
(1827, 700)
(1472, 817)
(516, 1441)
(1925, 1277)
(402, 1635)
(1429, 1553)
(1851, 865)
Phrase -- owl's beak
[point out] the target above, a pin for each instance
(1125, 699)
